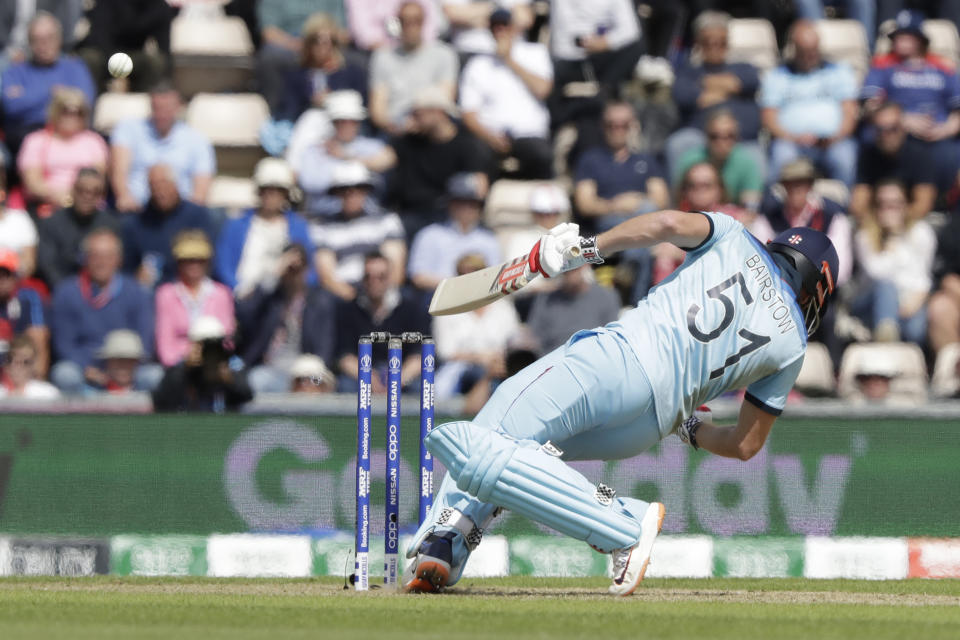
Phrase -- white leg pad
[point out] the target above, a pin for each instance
(520, 476)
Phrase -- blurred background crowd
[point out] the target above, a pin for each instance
(278, 177)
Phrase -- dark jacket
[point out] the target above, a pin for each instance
(262, 312)
(59, 250)
(687, 88)
(152, 232)
(184, 389)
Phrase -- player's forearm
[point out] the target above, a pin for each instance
(722, 441)
(646, 230)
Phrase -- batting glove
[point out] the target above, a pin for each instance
(562, 249)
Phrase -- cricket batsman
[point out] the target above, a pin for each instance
(736, 314)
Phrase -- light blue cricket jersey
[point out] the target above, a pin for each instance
(724, 320)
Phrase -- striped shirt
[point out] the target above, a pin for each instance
(350, 240)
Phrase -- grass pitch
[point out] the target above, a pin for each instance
(555, 609)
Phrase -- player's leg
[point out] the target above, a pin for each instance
(584, 396)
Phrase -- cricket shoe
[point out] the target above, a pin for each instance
(430, 569)
(630, 564)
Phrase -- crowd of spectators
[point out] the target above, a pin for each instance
(391, 124)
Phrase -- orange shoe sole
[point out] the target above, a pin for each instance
(431, 577)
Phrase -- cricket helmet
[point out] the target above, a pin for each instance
(815, 260)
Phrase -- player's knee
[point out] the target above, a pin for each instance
(474, 456)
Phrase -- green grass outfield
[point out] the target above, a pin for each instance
(208, 608)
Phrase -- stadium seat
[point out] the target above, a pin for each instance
(845, 41)
(946, 378)
(903, 361)
(816, 375)
(508, 203)
(944, 39)
(232, 123)
(211, 54)
(111, 108)
(832, 189)
(232, 194)
(753, 40)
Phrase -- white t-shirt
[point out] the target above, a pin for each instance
(486, 331)
(616, 19)
(17, 230)
(907, 260)
(498, 96)
(261, 250)
(466, 40)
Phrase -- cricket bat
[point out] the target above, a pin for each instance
(479, 288)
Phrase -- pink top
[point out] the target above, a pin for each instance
(61, 158)
(176, 308)
(367, 20)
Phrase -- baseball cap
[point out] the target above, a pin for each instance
(273, 172)
(345, 105)
(350, 174)
(464, 186)
(192, 245)
(121, 343)
(9, 260)
(549, 198)
(799, 169)
(500, 16)
(910, 22)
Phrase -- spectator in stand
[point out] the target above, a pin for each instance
(249, 248)
(121, 354)
(19, 373)
(192, 295)
(438, 247)
(928, 89)
(28, 86)
(50, 158)
(87, 307)
(863, 11)
(127, 25)
(701, 189)
(810, 109)
(137, 145)
(398, 74)
(148, 237)
(309, 374)
(742, 176)
(58, 253)
(943, 310)
(472, 346)
(282, 40)
(894, 154)
(549, 206)
(17, 231)
(15, 18)
(22, 310)
(613, 182)
(323, 68)
(470, 21)
(433, 151)
(379, 306)
(896, 254)
(578, 303)
(283, 319)
(709, 85)
(503, 98)
(209, 378)
(794, 203)
(600, 38)
(374, 24)
(360, 226)
(317, 163)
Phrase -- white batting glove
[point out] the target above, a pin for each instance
(557, 251)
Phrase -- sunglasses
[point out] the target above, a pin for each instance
(612, 124)
(722, 136)
(73, 111)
